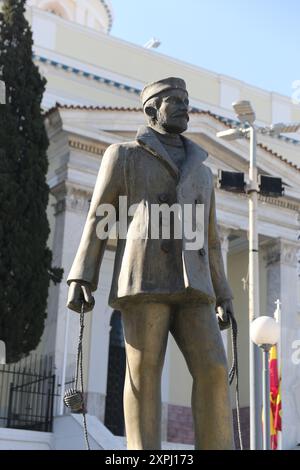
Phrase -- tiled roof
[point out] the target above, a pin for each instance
(88, 75)
(226, 121)
(90, 108)
(131, 89)
(232, 123)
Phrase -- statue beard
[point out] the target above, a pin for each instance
(171, 124)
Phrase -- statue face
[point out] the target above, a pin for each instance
(172, 115)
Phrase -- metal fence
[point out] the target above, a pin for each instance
(27, 392)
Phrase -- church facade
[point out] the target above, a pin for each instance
(92, 101)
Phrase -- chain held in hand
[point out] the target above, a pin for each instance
(74, 397)
(234, 372)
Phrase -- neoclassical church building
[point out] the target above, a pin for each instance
(91, 101)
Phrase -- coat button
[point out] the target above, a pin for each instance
(165, 246)
(202, 252)
(163, 198)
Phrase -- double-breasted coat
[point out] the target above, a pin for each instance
(153, 269)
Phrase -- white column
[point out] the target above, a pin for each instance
(97, 349)
(224, 233)
(283, 284)
(70, 214)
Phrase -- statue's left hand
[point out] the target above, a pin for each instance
(224, 309)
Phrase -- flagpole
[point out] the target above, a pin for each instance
(277, 317)
(266, 397)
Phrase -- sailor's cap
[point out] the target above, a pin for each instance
(154, 88)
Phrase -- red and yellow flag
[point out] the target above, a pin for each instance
(275, 397)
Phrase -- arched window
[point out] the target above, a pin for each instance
(54, 11)
(56, 8)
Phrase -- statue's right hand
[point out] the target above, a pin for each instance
(80, 292)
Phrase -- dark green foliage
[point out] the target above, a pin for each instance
(25, 259)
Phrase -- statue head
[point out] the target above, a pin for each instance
(166, 105)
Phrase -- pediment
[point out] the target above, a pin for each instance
(234, 155)
(112, 125)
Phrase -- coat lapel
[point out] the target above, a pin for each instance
(148, 140)
(194, 154)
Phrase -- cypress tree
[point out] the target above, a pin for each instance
(25, 260)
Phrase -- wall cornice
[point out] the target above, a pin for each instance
(84, 146)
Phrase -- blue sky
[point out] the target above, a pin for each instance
(257, 41)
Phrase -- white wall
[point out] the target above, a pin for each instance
(17, 439)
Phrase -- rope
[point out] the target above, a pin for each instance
(234, 372)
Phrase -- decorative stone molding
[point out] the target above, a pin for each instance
(99, 15)
(279, 202)
(289, 254)
(85, 146)
(87, 75)
(272, 253)
(283, 252)
(59, 207)
(78, 200)
(71, 198)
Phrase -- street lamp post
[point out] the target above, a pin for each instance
(254, 379)
(247, 128)
(266, 396)
(265, 333)
(247, 117)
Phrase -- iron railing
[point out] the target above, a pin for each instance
(27, 392)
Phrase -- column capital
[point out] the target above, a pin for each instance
(282, 251)
(71, 198)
